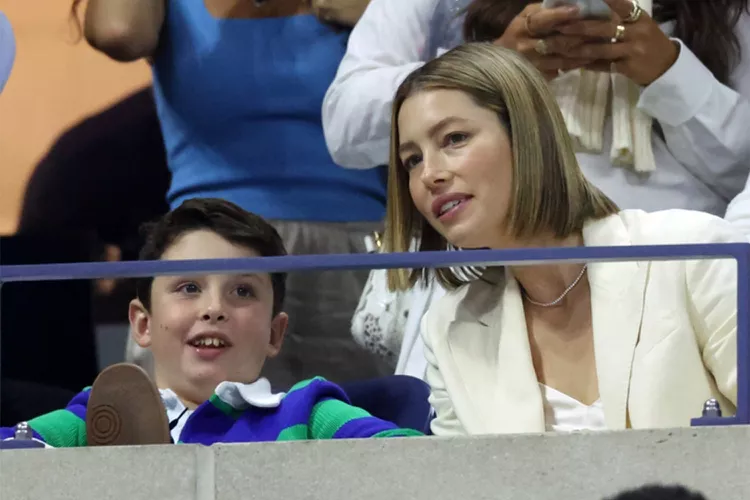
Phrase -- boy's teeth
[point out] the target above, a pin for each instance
(209, 342)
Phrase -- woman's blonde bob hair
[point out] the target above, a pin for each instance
(549, 194)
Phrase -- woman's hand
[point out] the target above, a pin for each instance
(535, 33)
(342, 12)
(642, 52)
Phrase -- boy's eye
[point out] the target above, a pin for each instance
(188, 288)
(244, 291)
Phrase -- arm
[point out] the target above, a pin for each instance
(385, 46)
(335, 419)
(125, 30)
(61, 428)
(704, 123)
(332, 417)
(446, 422)
(712, 305)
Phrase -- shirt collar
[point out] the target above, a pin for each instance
(236, 394)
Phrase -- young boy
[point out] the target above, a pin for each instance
(210, 336)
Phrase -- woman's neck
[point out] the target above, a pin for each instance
(546, 283)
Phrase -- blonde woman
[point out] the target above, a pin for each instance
(481, 158)
(693, 116)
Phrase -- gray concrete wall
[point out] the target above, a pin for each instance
(539, 467)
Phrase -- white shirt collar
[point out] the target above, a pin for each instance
(236, 394)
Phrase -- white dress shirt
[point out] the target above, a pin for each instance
(738, 212)
(702, 162)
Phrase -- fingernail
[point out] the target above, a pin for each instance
(573, 9)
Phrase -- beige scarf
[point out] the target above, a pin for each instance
(583, 98)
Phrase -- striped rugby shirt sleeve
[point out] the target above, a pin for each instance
(60, 428)
(332, 417)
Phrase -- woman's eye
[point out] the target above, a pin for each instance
(188, 288)
(244, 291)
(455, 138)
(412, 161)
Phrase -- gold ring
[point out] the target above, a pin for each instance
(541, 47)
(619, 34)
(635, 13)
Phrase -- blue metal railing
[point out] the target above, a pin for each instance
(479, 258)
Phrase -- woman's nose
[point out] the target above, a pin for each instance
(434, 172)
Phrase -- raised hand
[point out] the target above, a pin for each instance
(536, 33)
(631, 43)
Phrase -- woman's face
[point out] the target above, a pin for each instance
(460, 166)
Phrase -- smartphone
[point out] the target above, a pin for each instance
(590, 9)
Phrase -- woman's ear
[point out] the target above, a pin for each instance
(140, 323)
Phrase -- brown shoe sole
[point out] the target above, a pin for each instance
(125, 408)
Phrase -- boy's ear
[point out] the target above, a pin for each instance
(140, 323)
(278, 331)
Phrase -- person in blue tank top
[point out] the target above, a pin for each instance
(239, 86)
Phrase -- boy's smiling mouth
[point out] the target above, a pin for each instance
(209, 345)
(210, 340)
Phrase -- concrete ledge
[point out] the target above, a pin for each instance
(147, 472)
(530, 467)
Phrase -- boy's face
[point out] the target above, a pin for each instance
(204, 330)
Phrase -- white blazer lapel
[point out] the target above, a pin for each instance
(491, 352)
(519, 399)
(617, 296)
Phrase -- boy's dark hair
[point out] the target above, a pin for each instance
(224, 218)
(659, 492)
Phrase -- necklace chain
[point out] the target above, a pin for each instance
(565, 292)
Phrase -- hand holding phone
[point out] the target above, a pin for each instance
(630, 43)
(535, 33)
(589, 9)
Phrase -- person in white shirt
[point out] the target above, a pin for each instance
(699, 103)
(738, 211)
(481, 158)
(7, 50)
(691, 106)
